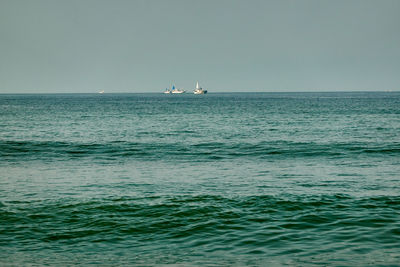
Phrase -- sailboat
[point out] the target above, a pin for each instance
(177, 91)
(199, 90)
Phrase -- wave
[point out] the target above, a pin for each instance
(13, 150)
(246, 224)
(209, 151)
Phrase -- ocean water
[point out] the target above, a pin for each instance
(233, 179)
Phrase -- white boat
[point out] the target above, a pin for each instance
(101, 92)
(167, 91)
(177, 91)
(199, 90)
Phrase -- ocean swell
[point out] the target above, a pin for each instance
(13, 150)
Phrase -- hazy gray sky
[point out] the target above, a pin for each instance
(146, 46)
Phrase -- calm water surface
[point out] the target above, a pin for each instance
(220, 179)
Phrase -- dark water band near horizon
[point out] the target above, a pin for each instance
(231, 179)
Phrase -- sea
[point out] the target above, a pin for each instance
(222, 179)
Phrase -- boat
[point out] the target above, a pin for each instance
(101, 92)
(167, 91)
(177, 91)
(199, 90)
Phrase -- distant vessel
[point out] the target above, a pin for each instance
(177, 91)
(199, 90)
(101, 92)
(167, 91)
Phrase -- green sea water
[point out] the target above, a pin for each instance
(232, 179)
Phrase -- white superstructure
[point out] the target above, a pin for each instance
(199, 90)
(177, 91)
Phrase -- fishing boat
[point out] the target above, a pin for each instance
(177, 91)
(199, 90)
(167, 91)
(101, 92)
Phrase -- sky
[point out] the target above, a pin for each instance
(84, 46)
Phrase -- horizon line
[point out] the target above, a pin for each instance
(214, 92)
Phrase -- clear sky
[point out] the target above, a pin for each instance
(77, 46)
